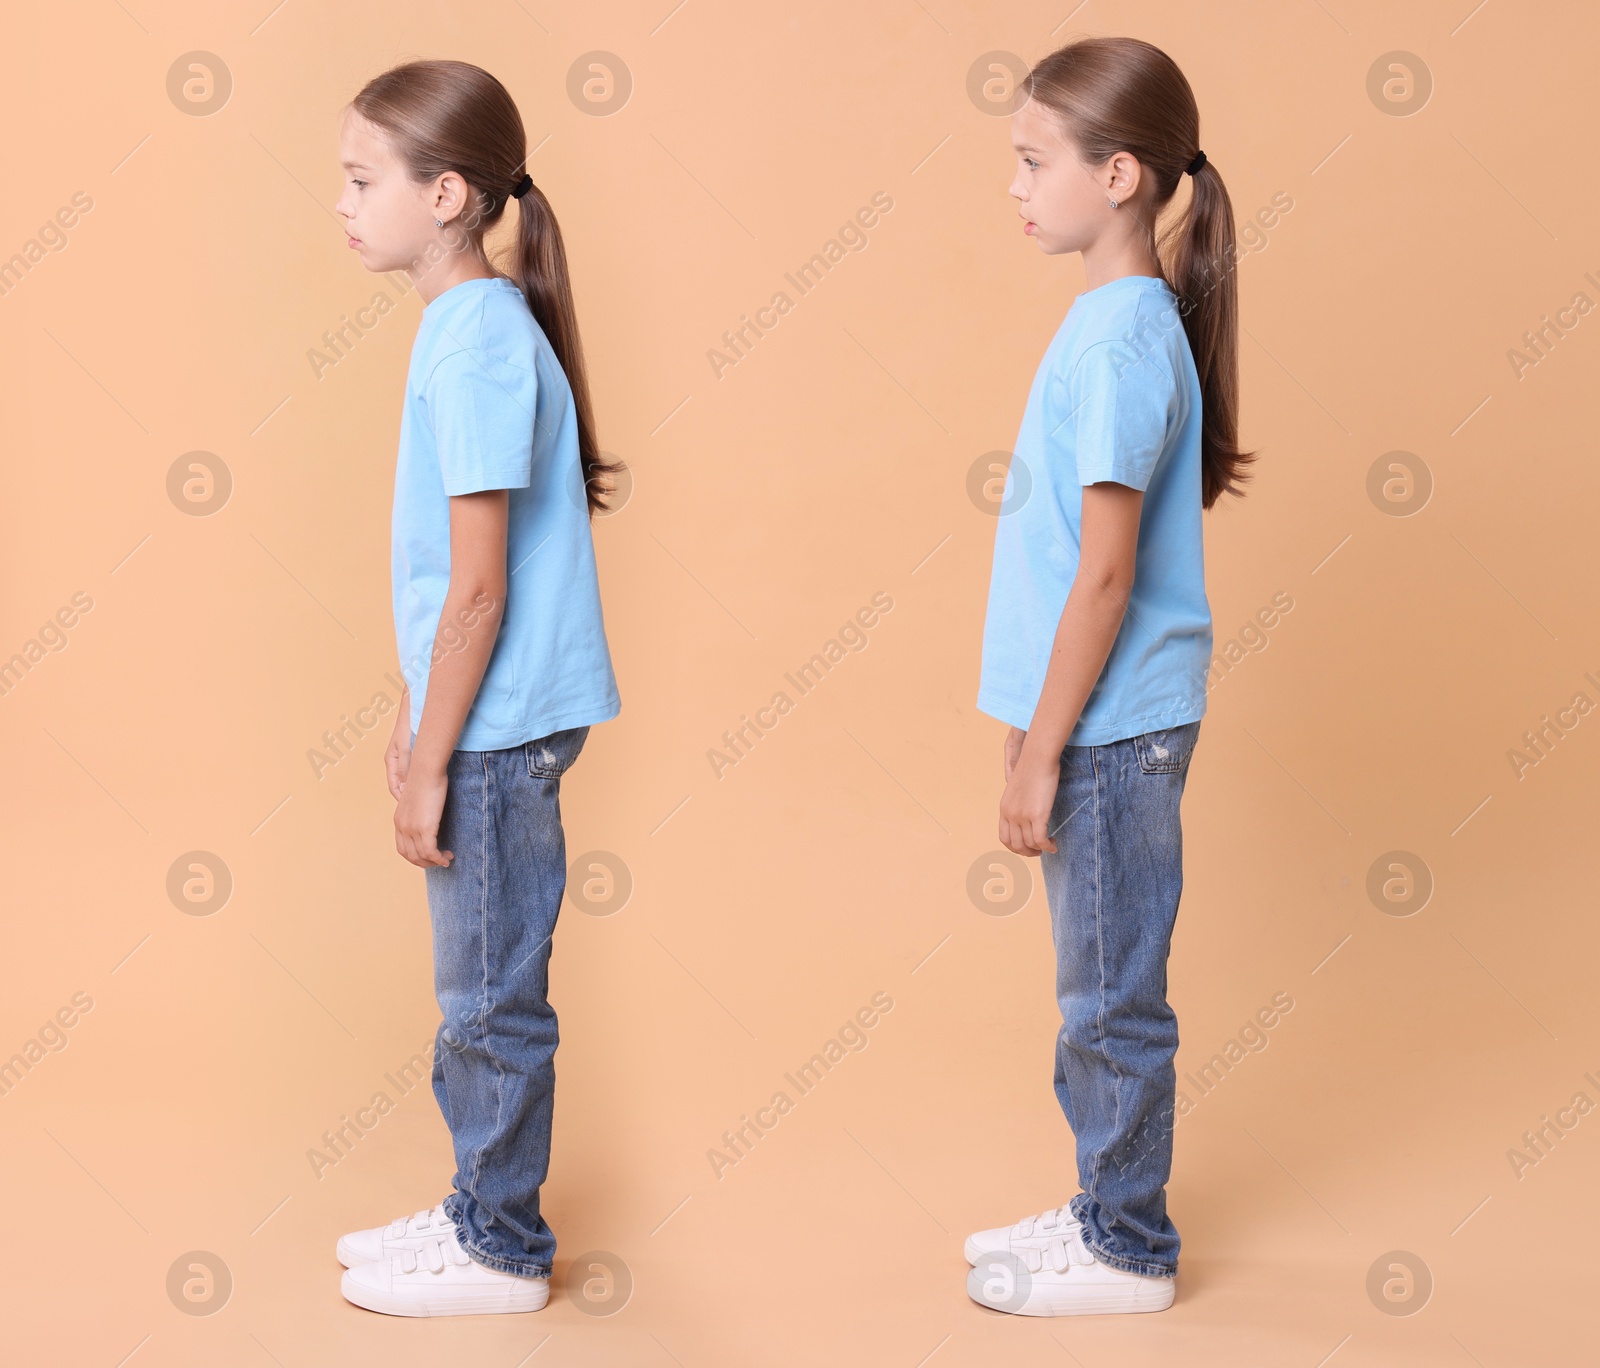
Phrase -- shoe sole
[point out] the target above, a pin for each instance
(1106, 1301)
(447, 1303)
(1114, 1304)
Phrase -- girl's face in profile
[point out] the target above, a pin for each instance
(1063, 206)
(387, 215)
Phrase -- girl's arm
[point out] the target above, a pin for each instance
(468, 625)
(1089, 625)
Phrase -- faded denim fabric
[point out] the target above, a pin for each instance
(494, 911)
(1113, 889)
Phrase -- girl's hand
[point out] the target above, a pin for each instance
(1026, 804)
(397, 759)
(416, 819)
(1014, 739)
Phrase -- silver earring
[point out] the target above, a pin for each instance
(1112, 203)
(439, 223)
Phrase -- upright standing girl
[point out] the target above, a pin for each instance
(1098, 638)
(497, 617)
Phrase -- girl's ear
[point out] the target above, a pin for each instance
(1125, 174)
(449, 196)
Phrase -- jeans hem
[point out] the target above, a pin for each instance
(512, 1266)
(1148, 1270)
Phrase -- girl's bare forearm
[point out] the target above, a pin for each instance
(468, 626)
(1084, 637)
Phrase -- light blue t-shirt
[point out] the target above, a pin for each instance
(1116, 398)
(488, 406)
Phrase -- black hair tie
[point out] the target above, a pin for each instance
(523, 186)
(1196, 164)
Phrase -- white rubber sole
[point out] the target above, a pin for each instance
(347, 1256)
(529, 1294)
(1053, 1296)
(1101, 1301)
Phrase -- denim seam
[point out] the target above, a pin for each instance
(483, 941)
(1100, 949)
(499, 1067)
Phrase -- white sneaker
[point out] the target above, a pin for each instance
(1031, 1232)
(440, 1279)
(383, 1242)
(1063, 1279)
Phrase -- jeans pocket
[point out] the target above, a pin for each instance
(551, 756)
(1166, 752)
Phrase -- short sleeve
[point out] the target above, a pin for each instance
(1120, 399)
(481, 409)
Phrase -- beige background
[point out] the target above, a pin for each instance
(831, 864)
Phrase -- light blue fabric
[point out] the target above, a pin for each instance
(1116, 398)
(488, 406)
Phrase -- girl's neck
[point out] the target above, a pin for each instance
(456, 268)
(1103, 263)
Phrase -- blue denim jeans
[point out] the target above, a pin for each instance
(1113, 887)
(494, 910)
